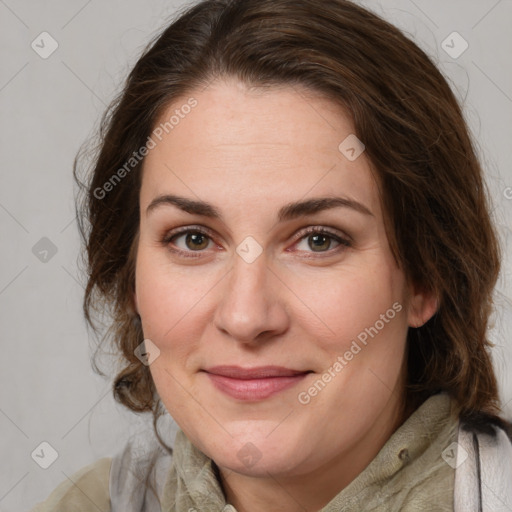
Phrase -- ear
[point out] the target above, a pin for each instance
(423, 304)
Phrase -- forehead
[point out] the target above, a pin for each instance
(277, 142)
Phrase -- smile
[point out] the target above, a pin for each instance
(253, 384)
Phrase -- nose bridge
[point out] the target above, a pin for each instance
(250, 278)
(250, 304)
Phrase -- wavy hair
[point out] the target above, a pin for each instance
(433, 195)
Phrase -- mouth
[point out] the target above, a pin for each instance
(254, 384)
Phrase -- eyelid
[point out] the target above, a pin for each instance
(323, 229)
(169, 235)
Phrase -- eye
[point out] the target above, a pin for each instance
(321, 240)
(191, 241)
(195, 241)
(188, 240)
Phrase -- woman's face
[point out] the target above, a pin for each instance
(265, 279)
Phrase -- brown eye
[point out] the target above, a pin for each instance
(188, 240)
(319, 243)
(196, 241)
(321, 240)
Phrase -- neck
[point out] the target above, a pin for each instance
(312, 490)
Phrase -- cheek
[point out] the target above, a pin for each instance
(360, 329)
(340, 306)
(171, 303)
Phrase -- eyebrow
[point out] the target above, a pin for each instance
(288, 212)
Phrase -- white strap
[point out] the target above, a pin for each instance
(467, 483)
(483, 474)
(496, 469)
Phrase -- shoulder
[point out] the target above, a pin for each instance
(86, 490)
(131, 481)
(483, 465)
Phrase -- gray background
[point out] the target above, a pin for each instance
(48, 107)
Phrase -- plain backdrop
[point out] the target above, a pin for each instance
(49, 106)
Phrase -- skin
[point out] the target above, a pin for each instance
(249, 152)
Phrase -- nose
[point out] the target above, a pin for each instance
(252, 308)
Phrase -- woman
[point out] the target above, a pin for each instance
(289, 227)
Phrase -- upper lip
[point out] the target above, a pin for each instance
(260, 372)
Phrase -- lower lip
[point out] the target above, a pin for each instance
(254, 389)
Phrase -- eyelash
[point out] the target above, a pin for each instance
(344, 243)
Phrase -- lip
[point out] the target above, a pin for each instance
(253, 384)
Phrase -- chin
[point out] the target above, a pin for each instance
(257, 455)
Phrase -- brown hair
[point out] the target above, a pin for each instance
(431, 185)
